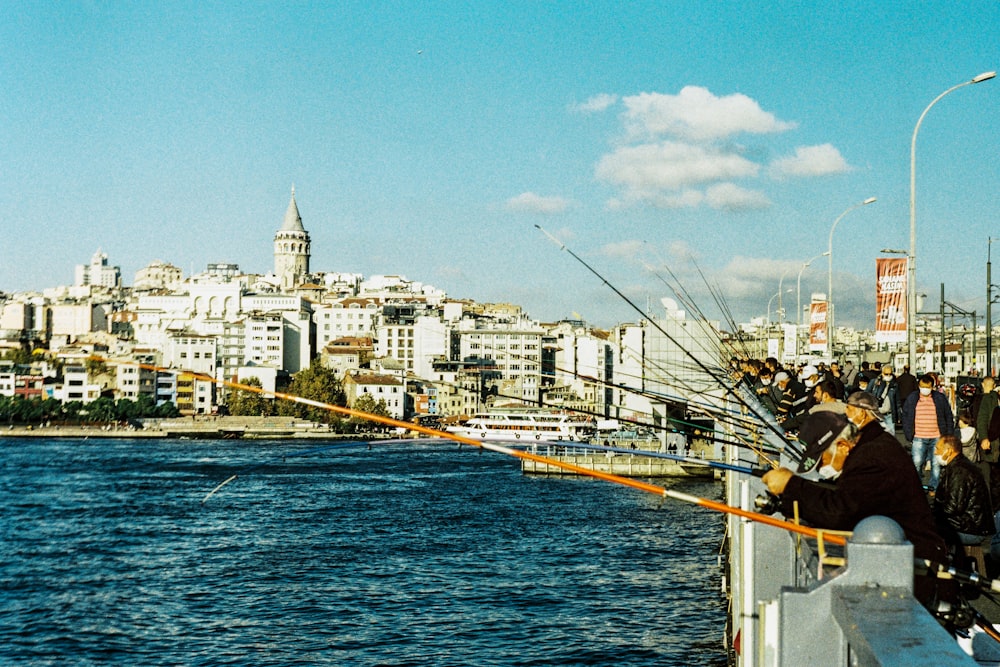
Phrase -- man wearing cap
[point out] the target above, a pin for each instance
(875, 476)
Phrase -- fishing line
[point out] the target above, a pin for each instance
(672, 339)
(721, 415)
(283, 457)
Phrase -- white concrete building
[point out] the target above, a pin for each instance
(98, 273)
(347, 318)
(584, 363)
(414, 343)
(158, 275)
(663, 355)
(76, 386)
(77, 319)
(514, 348)
(379, 387)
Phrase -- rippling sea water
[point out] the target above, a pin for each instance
(403, 554)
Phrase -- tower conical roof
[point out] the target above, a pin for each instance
(293, 221)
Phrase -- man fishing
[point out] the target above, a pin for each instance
(874, 475)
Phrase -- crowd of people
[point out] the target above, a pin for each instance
(855, 425)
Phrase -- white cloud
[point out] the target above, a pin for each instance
(623, 249)
(811, 161)
(671, 166)
(597, 103)
(695, 114)
(529, 202)
(734, 198)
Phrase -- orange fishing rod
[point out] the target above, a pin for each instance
(528, 456)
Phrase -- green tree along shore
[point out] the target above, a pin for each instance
(20, 410)
(315, 383)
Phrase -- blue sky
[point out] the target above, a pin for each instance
(428, 140)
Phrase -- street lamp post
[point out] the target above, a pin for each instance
(911, 286)
(989, 310)
(829, 283)
(776, 295)
(798, 283)
(781, 307)
(769, 302)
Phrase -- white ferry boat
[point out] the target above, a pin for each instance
(526, 425)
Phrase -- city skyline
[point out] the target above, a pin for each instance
(429, 142)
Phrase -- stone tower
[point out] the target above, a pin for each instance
(291, 249)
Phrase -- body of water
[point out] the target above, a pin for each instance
(403, 554)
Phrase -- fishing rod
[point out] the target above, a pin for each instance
(687, 428)
(524, 455)
(682, 294)
(646, 393)
(669, 337)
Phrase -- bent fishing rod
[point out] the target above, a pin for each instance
(389, 421)
(672, 339)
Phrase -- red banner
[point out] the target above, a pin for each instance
(890, 300)
(817, 326)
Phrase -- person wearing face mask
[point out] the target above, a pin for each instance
(962, 503)
(884, 389)
(926, 417)
(874, 476)
(766, 390)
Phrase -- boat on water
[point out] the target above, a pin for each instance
(526, 425)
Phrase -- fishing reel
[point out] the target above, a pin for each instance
(767, 503)
(955, 616)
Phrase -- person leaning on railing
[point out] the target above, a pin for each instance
(874, 476)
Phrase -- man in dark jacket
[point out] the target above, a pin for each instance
(876, 478)
(987, 404)
(962, 504)
(906, 384)
(793, 398)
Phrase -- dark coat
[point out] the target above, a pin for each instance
(878, 478)
(986, 407)
(945, 418)
(962, 501)
(906, 384)
(793, 400)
